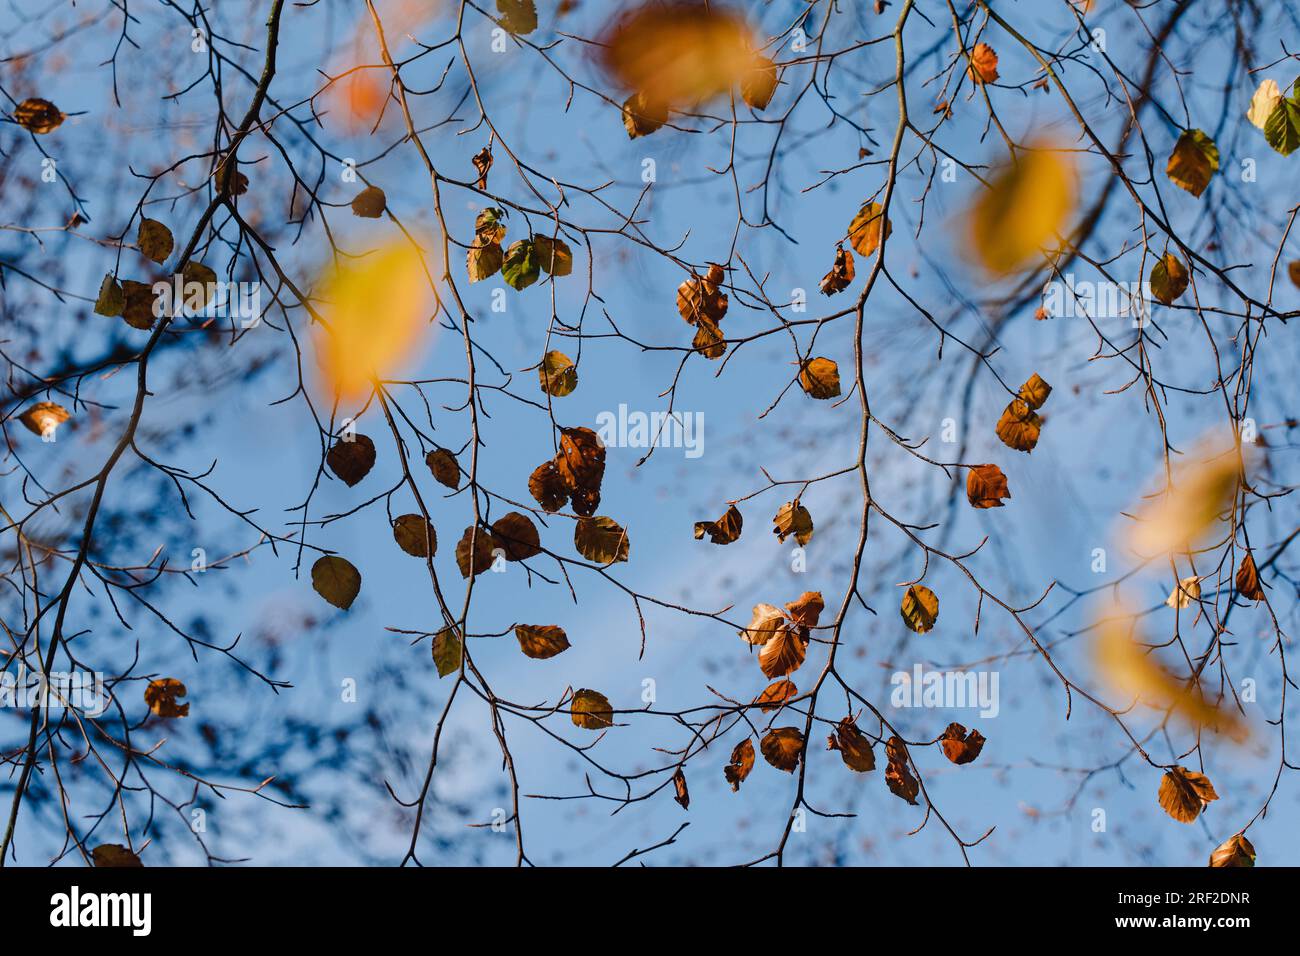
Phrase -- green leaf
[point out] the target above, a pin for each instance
(446, 651)
(521, 267)
(1282, 128)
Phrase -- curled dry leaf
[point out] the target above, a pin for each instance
(336, 580)
(758, 84)
(766, 621)
(853, 745)
(482, 164)
(580, 463)
(1184, 593)
(782, 748)
(1168, 278)
(820, 378)
(1026, 205)
(352, 458)
(591, 710)
(600, 540)
(38, 116)
(643, 114)
(983, 64)
(742, 762)
(442, 465)
(447, 650)
(1020, 424)
(161, 696)
(681, 794)
(1236, 851)
(775, 695)
(139, 299)
(784, 652)
(541, 641)
(557, 374)
(516, 535)
(898, 777)
(415, 536)
(920, 608)
(1185, 793)
(480, 540)
(547, 487)
(114, 855)
(960, 747)
(553, 255)
(483, 260)
(154, 240)
(986, 486)
(864, 230)
(44, 418)
(793, 519)
(806, 611)
(1193, 162)
(1248, 580)
(841, 275)
(369, 203)
(723, 531)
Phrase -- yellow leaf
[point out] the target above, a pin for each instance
(1193, 162)
(161, 696)
(1185, 793)
(1263, 103)
(591, 710)
(864, 230)
(820, 378)
(920, 608)
(558, 374)
(541, 641)
(1168, 278)
(1201, 493)
(44, 418)
(447, 651)
(1020, 214)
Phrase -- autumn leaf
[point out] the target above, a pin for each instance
(1200, 493)
(782, 748)
(369, 203)
(764, 624)
(482, 164)
(1185, 793)
(983, 64)
(1262, 104)
(580, 464)
(481, 542)
(483, 260)
(742, 762)
(853, 745)
(681, 54)
(553, 255)
(820, 378)
(864, 230)
(558, 374)
(1282, 128)
(681, 795)
(986, 486)
(960, 747)
(541, 641)
(920, 608)
(351, 458)
(516, 535)
(775, 695)
(807, 609)
(336, 580)
(44, 418)
(793, 519)
(723, 531)
(517, 16)
(442, 465)
(841, 275)
(547, 487)
(643, 115)
(415, 536)
(1236, 851)
(784, 652)
(1293, 271)
(1193, 162)
(1018, 217)
(758, 84)
(1020, 425)
(1248, 580)
(521, 267)
(1168, 278)
(137, 311)
(591, 710)
(898, 777)
(1184, 593)
(38, 116)
(1035, 391)
(447, 651)
(114, 855)
(702, 296)
(600, 540)
(111, 300)
(161, 696)
(489, 227)
(154, 240)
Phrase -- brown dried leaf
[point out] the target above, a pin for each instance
(897, 775)
(541, 641)
(853, 745)
(516, 535)
(959, 747)
(1236, 851)
(784, 652)
(1185, 793)
(161, 696)
(782, 748)
(591, 710)
(1248, 580)
(807, 609)
(351, 460)
(336, 580)
(482, 545)
(601, 540)
(793, 519)
(415, 536)
(742, 762)
(442, 465)
(682, 795)
(841, 275)
(723, 531)
(986, 486)
(775, 695)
